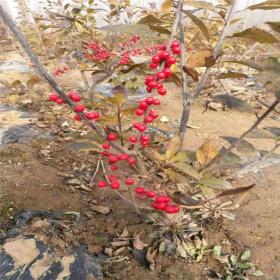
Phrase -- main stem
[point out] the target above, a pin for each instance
(184, 90)
(217, 50)
(43, 72)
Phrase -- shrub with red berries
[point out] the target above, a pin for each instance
(161, 65)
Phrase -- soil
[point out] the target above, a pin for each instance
(33, 177)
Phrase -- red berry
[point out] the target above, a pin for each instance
(167, 72)
(149, 89)
(156, 59)
(129, 181)
(59, 101)
(153, 65)
(159, 205)
(152, 84)
(170, 60)
(161, 75)
(176, 50)
(74, 96)
(145, 137)
(159, 85)
(139, 112)
(53, 97)
(92, 115)
(115, 185)
(132, 139)
(162, 91)
(113, 167)
(156, 102)
(145, 143)
(143, 105)
(141, 128)
(150, 194)
(123, 156)
(162, 198)
(139, 190)
(131, 160)
(153, 114)
(164, 55)
(112, 178)
(175, 44)
(113, 159)
(102, 184)
(171, 209)
(163, 47)
(148, 119)
(149, 100)
(77, 118)
(106, 146)
(105, 154)
(136, 125)
(79, 108)
(149, 78)
(112, 136)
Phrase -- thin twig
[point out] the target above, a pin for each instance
(95, 172)
(184, 90)
(217, 50)
(85, 79)
(239, 140)
(267, 106)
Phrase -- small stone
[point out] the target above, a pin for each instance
(73, 182)
(164, 119)
(26, 102)
(65, 124)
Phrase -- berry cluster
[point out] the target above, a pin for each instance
(95, 51)
(161, 62)
(78, 108)
(60, 71)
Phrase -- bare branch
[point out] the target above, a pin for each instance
(217, 50)
(253, 127)
(184, 90)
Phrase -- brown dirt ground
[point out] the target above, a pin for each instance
(33, 183)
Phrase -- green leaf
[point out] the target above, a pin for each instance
(149, 19)
(173, 147)
(207, 152)
(199, 23)
(246, 255)
(217, 250)
(214, 183)
(186, 169)
(257, 273)
(160, 29)
(274, 25)
(256, 35)
(267, 5)
(181, 157)
(200, 5)
(176, 177)
(232, 75)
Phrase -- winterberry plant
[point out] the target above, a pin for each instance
(160, 66)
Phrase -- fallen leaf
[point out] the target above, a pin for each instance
(101, 209)
(137, 243)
